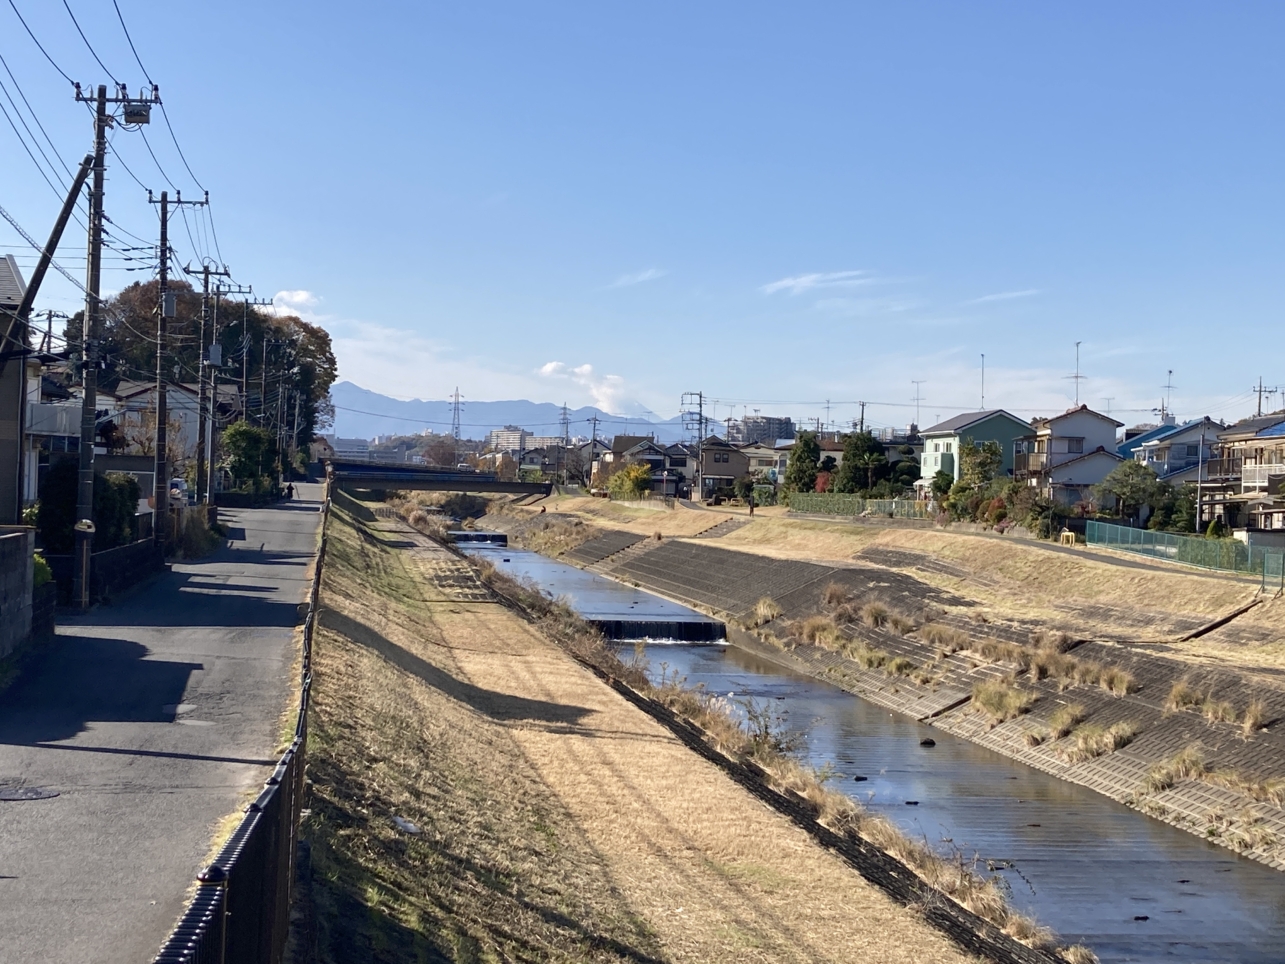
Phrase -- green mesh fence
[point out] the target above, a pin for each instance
(834, 503)
(1228, 555)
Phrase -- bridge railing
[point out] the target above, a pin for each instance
(240, 913)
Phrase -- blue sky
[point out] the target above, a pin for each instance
(775, 205)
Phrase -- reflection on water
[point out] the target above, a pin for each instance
(1132, 888)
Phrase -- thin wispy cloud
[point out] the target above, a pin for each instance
(625, 280)
(821, 279)
(1004, 296)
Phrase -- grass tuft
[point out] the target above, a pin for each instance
(1187, 763)
(1093, 741)
(946, 639)
(1255, 717)
(1065, 719)
(1183, 695)
(1218, 711)
(766, 610)
(1117, 682)
(1002, 701)
(834, 595)
(874, 614)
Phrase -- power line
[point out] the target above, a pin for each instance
(40, 45)
(35, 117)
(88, 44)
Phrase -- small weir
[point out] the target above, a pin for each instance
(1132, 888)
(619, 612)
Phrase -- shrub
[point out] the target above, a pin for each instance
(1002, 701)
(631, 482)
(115, 505)
(1065, 719)
(899, 624)
(867, 656)
(1094, 741)
(42, 573)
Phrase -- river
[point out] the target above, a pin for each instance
(1099, 873)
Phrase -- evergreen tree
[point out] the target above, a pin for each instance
(801, 473)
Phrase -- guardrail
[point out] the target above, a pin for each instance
(240, 913)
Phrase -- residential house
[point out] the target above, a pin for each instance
(627, 449)
(721, 465)
(1244, 483)
(1067, 454)
(942, 441)
(1178, 453)
(759, 428)
(765, 460)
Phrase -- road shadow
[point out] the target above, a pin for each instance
(78, 680)
(498, 706)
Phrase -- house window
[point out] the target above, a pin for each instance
(1193, 451)
(1075, 446)
(947, 448)
(936, 461)
(936, 446)
(677, 462)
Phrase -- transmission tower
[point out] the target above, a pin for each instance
(455, 427)
(694, 421)
(566, 440)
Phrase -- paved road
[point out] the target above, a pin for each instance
(153, 718)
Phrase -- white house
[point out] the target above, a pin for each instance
(1067, 454)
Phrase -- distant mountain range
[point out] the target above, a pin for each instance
(361, 413)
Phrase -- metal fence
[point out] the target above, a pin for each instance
(1225, 555)
(835, 503)
(240, 913)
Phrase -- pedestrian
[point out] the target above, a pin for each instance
(751, 506)
(290, 491)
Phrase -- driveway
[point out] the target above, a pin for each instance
(153, 719)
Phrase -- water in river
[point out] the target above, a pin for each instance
(1132, 888)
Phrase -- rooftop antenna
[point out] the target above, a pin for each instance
(1077, 377)
(983, 381)
(917, 383)
(1169, 393)
(1109, 401)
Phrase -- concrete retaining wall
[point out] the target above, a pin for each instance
(17, 546)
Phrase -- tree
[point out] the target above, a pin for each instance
(1132, 485)
(942, 481)
(250, 451)
(828, 464)
(631, 482)
(801, 473)
(870, 461)
(858, 471)
(979, 464)
(115, 505)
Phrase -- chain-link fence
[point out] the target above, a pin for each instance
(836, 503)
(1226, 555)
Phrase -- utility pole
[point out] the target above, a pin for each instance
(863, 416)
(1260, 391)
(983, 381)
(137, 111)
(165, 309)
(215, 359)
(566, 440)
(917, 383)
(1109, 401)
(206, 272)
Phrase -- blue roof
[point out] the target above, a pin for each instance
(1274, 431)
(1126, 449)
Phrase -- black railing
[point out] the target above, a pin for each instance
(240, 913)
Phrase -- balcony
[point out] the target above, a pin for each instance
(1029, 463)
(1226, 468)
(53, 419)
(1253, 478)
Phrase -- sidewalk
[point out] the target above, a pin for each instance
(153, 720)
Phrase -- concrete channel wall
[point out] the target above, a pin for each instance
(727, 584)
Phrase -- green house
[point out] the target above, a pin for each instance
(942, 441)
